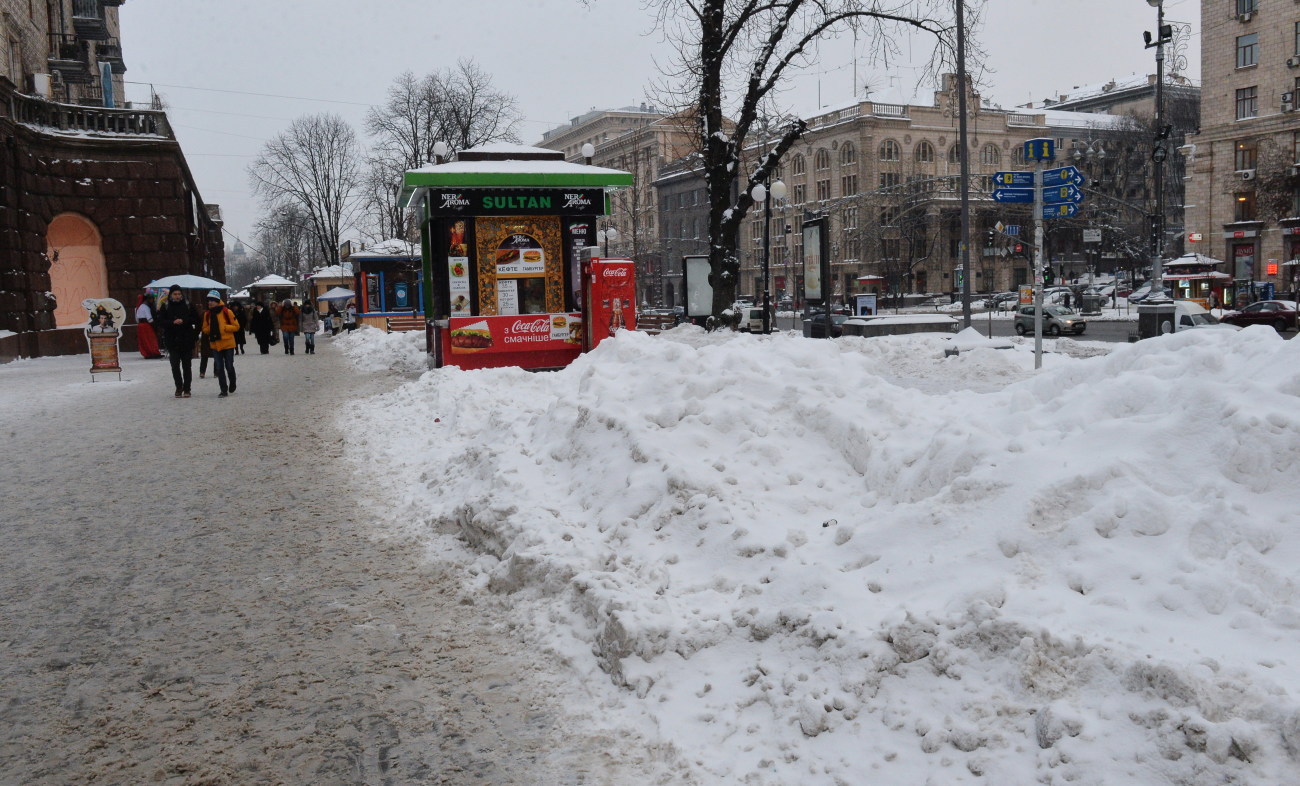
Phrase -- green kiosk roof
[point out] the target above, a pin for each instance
(510, 166)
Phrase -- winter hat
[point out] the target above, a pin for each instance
(214, 294)
(174, 288)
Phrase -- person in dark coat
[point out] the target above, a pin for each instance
(241, 316)
(178, 322)
(262, 326)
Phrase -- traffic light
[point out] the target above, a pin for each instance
(988, 237)
(1049, 277)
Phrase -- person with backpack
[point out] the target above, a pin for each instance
(219, 326)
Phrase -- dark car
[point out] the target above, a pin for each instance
(1281, 314)
(816, 326)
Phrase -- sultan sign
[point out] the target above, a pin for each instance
(516, 202)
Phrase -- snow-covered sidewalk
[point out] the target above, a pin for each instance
(860, 561)
(206, 591)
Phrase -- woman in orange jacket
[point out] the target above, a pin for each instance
(219, 326)
(288, 324)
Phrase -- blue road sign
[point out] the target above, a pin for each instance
(1064, 210)
(1017, 179)
(1042, 149)
(1055, 195)
(1013, 194)
(1012, 229)
(1062, 176)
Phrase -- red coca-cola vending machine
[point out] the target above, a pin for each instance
(609, 302)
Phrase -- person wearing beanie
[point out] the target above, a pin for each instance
(219, 326)
(309, 324)
(178, 325)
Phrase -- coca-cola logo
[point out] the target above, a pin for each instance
(616, 273)
(540, 325)
(454, 200)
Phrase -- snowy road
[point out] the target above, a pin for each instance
(193, 594)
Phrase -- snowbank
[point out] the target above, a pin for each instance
(372, 349)
(858, 561)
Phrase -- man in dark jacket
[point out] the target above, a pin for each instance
(179, 323)
(262, 326)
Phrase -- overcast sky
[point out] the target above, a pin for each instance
(559, 57)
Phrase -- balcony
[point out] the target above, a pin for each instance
(88, 20)
(110, 52)
(69, 59)
(70, 118)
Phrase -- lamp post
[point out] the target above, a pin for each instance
(760, 193)
(606, 236)
(1164, 34)
(588, 151)
(439, 151)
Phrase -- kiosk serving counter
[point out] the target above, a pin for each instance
(505, 233)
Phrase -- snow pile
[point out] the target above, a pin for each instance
(372, 349)
(858, 561)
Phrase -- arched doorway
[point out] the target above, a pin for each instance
(77, 268)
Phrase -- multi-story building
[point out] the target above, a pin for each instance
(1244, 188)
(888, 177)
(683, 225)
(639, 140)
(96, 199)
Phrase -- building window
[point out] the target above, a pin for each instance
(797, 166)
(851, 218)
(1245, 202)
(888, 179)
(1297, 38)
(848, 185)
(1244, 154)
(1247, 50)
(1246, 6)
(990, 156)
(1295, 147)
(800, 194)
(889, 215)
(890, 151)
(848, 155)
(954, 154)
(925, 153)
(1247, 102)
(823, 189)
(889, 248)
(822, 161)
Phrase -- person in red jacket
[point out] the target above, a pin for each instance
(219, 327)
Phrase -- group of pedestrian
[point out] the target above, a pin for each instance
(219, 332)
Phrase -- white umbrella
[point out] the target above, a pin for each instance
(185, 281)
(337, 293)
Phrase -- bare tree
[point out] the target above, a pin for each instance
(733, 57)
(314, 166)
(285, 244)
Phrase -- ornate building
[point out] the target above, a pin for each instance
(1244, 190)
(96, 199)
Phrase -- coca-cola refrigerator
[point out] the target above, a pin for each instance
(609, 302)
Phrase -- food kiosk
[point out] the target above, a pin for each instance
(1193, 277)
(506, 237)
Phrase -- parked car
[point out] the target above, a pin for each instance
(815, 326)
(1002, 300)
(1056, 320)
(1141, 293)
(1281, 314)
(1192, 316)
(751, 320)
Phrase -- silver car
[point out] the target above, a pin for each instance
(1056, 320)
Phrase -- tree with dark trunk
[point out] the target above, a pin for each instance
(733, 56)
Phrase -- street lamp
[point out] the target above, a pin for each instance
(607, 236)
(1164, 34)
(439, 151)
(760, 193)
(588, 151)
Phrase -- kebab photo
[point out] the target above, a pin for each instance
(471, 337)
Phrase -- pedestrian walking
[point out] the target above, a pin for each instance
(241, 335)
(288, 324)
(219, 326)
(309, 324)
(179, 323)
(350, 320)
(145, 339)
(333, 319)
(205, 354)
(260, 324)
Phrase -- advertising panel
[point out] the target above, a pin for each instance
(699, 292)
(445, 202)
(613, 298)
(522, 332)
(527, 251)
(105, 316)
(812, 260)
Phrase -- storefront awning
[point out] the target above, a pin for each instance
(523, 171)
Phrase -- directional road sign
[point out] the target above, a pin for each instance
(1065, 210)
(1013, 194)
(1012, 229)
(1017, 179)
(1055, 195)
(1062, 176)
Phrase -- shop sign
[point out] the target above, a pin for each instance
(516, 333)
(516, 202)
(1239, 234)
(105, 317)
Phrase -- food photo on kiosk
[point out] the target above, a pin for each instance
(507, 237)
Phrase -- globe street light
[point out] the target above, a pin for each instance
(607, 236)
(588, 150)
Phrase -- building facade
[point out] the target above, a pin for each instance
(1243, 204)
(887, 176)
(95, 200)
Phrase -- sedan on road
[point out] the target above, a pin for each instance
(1281, 314)
(1056, 320)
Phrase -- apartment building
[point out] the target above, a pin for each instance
(96, 198)
(1243, 194)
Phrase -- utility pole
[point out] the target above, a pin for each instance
(1038, 263)
(965, 165)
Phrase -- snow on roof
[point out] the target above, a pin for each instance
(272, 281)
(388, 248)
(515, 166)
(333, 271)
(1060, 118)
(1193, 258)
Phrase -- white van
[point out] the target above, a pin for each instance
(1190, 315)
